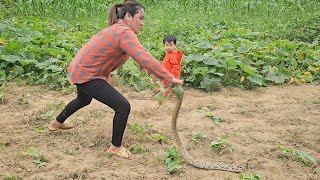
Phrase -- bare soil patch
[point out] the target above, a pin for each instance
(256, 121)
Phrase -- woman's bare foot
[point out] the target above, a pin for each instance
(120, 152)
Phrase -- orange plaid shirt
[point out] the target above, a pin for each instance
(109, 49)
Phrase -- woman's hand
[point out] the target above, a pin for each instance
(176, 81)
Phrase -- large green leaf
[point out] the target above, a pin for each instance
(282, 52)
(231, 62)
(216, 49)
(196, 57)
(271, 57)
(13, 47)
(211, 61)
(250, 70)
(228, 46)
(47, 63)
(27, 61)
(219, 74)
(256, 79)
(258, 54)
(204, 45)
(53, 60)
(279, 77)
(211, 69)
(25, 39)
(200, 70)
(317, 58)
(41, 65)
(54, 68)
(224, 54)
(211, 83)
(137, 83)
(2, 75)
(16, 71)
(243, 49)
(10, 58)
(314, 67)
(274, 70)
(217, 37)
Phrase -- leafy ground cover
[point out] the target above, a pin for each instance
(226, 46)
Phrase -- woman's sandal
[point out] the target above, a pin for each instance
(55, 127)
(122, 152)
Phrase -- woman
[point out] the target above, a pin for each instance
(91, 68)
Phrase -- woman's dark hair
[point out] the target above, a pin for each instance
(169, 38)
(118, 11)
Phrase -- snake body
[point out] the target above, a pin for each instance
(186, 155)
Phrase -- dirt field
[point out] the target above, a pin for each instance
(256, 121)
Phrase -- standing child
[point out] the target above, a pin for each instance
(172, 59)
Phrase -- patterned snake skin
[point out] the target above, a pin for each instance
(188, 157)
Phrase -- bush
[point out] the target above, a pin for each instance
(307, 30)
(7, 8)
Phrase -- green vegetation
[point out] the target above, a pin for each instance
(137, 148)
(37, 156)
(173, 159)
(24, 100)
(136, 128)
(51, 108)
(2, 93)
(158, 137)
(38, 131)
(139, 131)
(241, 43)
(299, 156)
(9, 178)
(252, 176)
(221, 145)
(216, 119)
(198, 136)
(4, 144)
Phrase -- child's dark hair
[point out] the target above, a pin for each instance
(169, 38)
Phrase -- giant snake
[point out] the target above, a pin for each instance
(178, 91)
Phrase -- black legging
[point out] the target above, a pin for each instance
(102, 91)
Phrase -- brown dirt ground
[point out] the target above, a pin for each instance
(257, 122)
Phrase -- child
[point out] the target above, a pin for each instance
(172, 59)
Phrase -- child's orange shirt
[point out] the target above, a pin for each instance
(172, 62)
